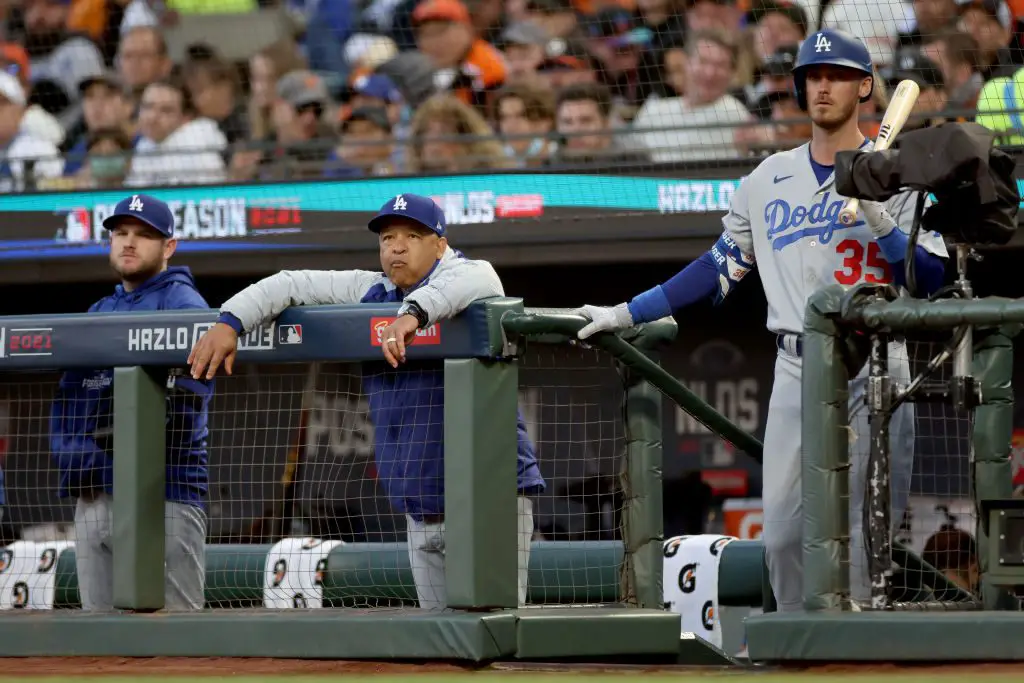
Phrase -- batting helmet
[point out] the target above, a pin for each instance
(830, 46)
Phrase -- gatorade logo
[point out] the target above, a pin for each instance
(707, 616)
(688, 578)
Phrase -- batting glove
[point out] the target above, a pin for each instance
(604, 319)
(879, 221)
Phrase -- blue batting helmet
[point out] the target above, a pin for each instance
(829, 46)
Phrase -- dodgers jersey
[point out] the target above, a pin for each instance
(787, 225)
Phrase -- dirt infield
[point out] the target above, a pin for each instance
(223, 667)
(210, 666)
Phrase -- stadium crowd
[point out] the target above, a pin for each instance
(91, 98)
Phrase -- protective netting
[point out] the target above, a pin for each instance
(157, 92)
(932, 510)
(291, 458)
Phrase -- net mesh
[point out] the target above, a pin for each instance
(932, 512)
(291, 456)
(269, 90)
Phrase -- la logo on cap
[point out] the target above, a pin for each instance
(136, 203)
(400, 204)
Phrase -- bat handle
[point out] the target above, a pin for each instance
(849, 213)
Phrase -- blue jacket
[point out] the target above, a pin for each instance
(407, 403)
(81, 418)
(407, 411)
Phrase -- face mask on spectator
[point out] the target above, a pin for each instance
(108, 167)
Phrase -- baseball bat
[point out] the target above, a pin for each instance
(900, 106)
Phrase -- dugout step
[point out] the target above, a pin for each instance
(792, 637)
(380, 634)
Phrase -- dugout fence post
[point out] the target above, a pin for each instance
(640, 475)
(992, 437)
(481, 402)
(138, 535)
(825, 455)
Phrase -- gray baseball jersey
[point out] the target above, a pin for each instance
(788, 225)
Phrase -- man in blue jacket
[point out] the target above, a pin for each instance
(81, 434)
(433, 282)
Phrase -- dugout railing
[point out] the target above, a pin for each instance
(960, 352)
(593, 599)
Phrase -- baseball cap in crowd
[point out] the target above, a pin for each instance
(301, 88)
(780, 62)
(375, 115)
(565, 55)
(440, 10)
(11, 90)
(109, 78)
(997, 9)
(914, 66)
(145, 208)
(379, 87)
(548, 7)
(524, 33)
(414, 207)
(792, 11)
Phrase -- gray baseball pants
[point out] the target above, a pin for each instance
(184, 559)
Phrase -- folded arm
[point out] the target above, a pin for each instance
(456, 284)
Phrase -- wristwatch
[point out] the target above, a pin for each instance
(413, 309)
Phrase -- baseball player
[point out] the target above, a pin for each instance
(783, 220)
(81, 420)
(433, 282)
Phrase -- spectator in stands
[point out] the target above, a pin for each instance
(774, 76)
(585, 126)
(27, 161)
(37, 121)
(367, 145)
(175, 146)
(567, 63)
(955, 53)
(106, 105)
(142, 59)
(999, 105)
(618, 47)
(914, 66)
(217, 92)
(556, 17)
(954, 553)
(711, 62)
(59, 59)
(876, 22)
(776, 24)
(930, 16)
(793, 126)
(525, 115)
(525, 48)
(299, 118)
(378, 91)
(444, 33)
(665, 20)
(435, 145)
(109, 158)
(265, 68)
(990, 24)
(721, 15)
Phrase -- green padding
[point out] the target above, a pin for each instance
(595, 633)
(886, 636)
(560, 573)
(992, 434)
(740, 574)
(824, 454)
(307, 634)
(919, 314)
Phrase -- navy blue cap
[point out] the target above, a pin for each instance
(416, 208)
(150, 210)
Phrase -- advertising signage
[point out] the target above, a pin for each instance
(311, 215)
(497, 210)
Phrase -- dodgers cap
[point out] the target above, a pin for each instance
(150, 210)
(414, 207)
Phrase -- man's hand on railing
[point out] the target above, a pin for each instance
(604, 318)
(219, 344)
(396, 337)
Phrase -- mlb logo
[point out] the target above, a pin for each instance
(289, 334)
(78, 225)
